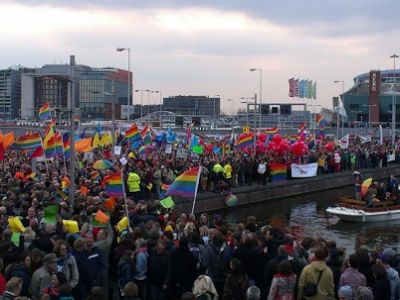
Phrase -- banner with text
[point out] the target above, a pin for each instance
(303, 171)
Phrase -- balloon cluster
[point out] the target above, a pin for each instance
(299, 148)
(329, 147)
(278, 145)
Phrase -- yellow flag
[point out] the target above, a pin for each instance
(106, 139)
(96, 141)
(71, 226)
(121, 225)
(16, 225)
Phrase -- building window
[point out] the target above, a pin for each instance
(354, 106)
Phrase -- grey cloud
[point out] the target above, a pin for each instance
(377, 15)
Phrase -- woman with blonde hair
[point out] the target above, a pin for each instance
(204, 288)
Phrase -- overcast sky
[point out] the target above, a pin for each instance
(206, 47)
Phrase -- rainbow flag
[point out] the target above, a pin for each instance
(44, 111)
(132, 134)
(59, 144)
(28, 141)
(66, 145)
(185, 184)
(50, 147)
(271, 130)
(114, 185)
(244, 140)
(278, 171)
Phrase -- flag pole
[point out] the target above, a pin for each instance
(125, 200)
(195, 191)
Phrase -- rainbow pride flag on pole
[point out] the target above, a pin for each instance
(44, 111)
(244, 140)
(132, 134)
(66, 145)
(185, 184)
(28, 141)
(278, 171)
(50, 147)
(114, 185)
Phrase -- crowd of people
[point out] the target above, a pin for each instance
(161, 255)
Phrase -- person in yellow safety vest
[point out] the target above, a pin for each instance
(134, 186)
(228, 174)
(217, 171)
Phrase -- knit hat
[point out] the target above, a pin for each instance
(168, 228)
(345, 292)
(364, 293)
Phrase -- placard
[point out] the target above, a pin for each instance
(117, 150)
(168, 148)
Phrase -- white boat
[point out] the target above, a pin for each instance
(365, 215)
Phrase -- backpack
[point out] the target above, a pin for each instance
(196, 252)
(219, 267)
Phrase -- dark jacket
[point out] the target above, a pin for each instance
(126, 271)
(236, 285)
(183, 270)
(251, 261)
(335, 263)
(17, 270)
(158, 271)
(95, 265)
(381, 289)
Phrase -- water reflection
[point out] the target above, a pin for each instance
(307, 215)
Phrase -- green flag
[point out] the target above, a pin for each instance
(167, 202)
(15, 238)
(50, 214)
(197, 149)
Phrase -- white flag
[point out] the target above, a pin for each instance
(344, 141)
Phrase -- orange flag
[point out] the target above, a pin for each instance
(102, 217)
(84, 190)
(8, 139)
(84, 145)
(109, 203)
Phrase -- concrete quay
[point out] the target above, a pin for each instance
(257, 194)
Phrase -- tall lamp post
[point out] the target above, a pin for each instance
(394, 56)
(141, 101)
(233, 113)
(120, 49)
(159, 92)
(260, 93)
(338, 109)
(369, 113)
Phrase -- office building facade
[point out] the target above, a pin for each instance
(95, 91)
(193, 105)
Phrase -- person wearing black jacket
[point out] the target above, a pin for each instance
(381, 287)
(21, 270)
(158, 272)
(251, 258)
(183, 269)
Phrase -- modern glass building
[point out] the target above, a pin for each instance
(96, 90)
(371, 96)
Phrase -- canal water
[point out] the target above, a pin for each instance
(305, 216)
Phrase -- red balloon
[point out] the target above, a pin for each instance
(262, 137)
(330, 146)
(299, 148)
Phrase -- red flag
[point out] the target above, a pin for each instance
(38, 152)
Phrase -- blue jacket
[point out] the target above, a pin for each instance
(141, 264)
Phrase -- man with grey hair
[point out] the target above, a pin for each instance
(41, 279)
(253, 293)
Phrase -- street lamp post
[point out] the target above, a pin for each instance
(129, 76)
(394, 56)
(260, 93)
(369, 113)
(141, 101)
(233, 113)
(338, 110)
